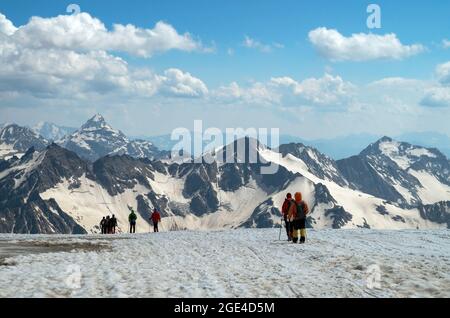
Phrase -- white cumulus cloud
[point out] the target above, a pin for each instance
(177, 83)
(360, 47)
(84, 32)
(6, 26)
(327, 90)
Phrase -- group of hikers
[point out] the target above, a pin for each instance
(108, 224)
(294, 212)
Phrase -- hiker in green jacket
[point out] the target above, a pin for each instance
(132, 219)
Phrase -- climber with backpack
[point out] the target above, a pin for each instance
(285, 211)
(132, 218)
(297, 215)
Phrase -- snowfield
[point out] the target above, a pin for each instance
(231, 263)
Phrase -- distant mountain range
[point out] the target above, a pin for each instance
(336, 148)
(66, 187)
(339, 147)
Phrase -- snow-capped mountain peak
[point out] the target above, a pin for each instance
(10, 132)
(242, 150)
(98, 122)
(15, 140)
(399, 172)
(98, 118)
(96, 139)
(402, 153)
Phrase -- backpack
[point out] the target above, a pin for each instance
(301, 215)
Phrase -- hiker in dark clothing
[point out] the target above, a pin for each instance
(156, 218)
(103, 225)
(285, 210)
(108, 225)
(132, 218)
(113, 224)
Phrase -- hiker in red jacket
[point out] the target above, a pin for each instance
(155, 218)
(285, 210)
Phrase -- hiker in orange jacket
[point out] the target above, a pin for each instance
(297, 215)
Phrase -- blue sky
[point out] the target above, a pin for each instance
(281, 47)
(286, 22)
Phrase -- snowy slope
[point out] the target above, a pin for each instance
(89, 203)
(236, 263)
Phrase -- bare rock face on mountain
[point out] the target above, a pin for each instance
(318, 164)
(438, 212)
(22, 210)
(363, 176)
(199, 180)
(262, 216)
(323, 197)
(118, 173)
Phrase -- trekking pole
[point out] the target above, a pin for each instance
(281, 227)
